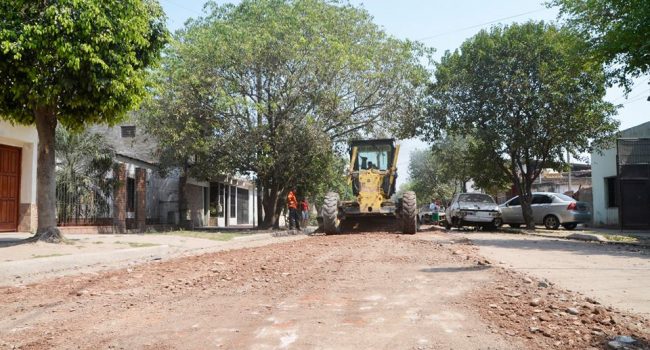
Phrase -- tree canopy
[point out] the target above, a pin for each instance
(617, 31)
(74, 63)
(271, 87)
(527, 94)
(449, 165)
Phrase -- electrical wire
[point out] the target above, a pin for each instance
(480, 25)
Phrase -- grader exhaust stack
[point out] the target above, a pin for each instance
(372, 176)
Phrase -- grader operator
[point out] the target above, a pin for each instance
(372, 176)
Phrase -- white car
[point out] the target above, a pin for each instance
(549, 209)
(473, 209)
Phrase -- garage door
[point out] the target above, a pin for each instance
(9, 187)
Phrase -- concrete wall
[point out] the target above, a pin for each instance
(603, 166)
(26, 138)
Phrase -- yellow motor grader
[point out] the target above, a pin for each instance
(372, 175)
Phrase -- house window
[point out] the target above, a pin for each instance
(128, 131)
(233, 202)
(130, 194)
(611, 191)
(206, 200)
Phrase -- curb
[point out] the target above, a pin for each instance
(582, 237)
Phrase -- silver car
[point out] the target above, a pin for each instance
(473, 209)
(549, 209)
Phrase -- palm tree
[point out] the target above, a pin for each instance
(84, 185)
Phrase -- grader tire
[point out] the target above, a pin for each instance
(330, 212)
(409, 213)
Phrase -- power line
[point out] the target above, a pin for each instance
(625, 96)
(182, 7)
(636, 99)
(480, 25)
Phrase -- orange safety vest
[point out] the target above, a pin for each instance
(292, 203)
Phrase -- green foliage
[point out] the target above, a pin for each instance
(84, 163)
(449, 165)
(618, 33)
(527, 93)
(427, 177)
(85, 60)
(268, 87)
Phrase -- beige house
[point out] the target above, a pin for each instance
(18, 160)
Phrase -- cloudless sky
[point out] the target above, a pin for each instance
(444, 25)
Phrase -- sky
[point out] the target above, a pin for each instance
(444, 25)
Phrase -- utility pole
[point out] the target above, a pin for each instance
(568, 159)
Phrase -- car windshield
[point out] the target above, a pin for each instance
(564, 197)
(475, 198)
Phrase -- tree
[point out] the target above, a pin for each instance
(447, 167)
(84, 162)
(426, 177)
(617, 31)
(247, 80)
(74, 63)
(527, 94)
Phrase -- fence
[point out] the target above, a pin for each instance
(82, 206)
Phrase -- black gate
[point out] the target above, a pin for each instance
(633, 167)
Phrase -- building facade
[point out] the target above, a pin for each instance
(18, 160)
(621, 180)
(224, 202)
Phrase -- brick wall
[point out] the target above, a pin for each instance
(141, 199)
(119, 212)
(27, 218)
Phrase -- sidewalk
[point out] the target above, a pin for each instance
(88, 253)
(609, 235)
(615, 275)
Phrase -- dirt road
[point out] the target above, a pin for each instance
(364, 291)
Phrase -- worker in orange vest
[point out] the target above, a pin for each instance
(294, 215)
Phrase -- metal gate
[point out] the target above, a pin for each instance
(633, 170)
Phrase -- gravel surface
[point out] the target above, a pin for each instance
(362, 291)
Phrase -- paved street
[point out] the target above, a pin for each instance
(616, 275)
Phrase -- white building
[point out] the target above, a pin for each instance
(621, 180)
(18, 159)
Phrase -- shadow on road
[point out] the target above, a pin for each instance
(456, 269)
(575, 247)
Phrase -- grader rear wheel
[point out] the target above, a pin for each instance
(330, 213)
(409, 213)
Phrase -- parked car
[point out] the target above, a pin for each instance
(425, 214)
(473, 209)
(549, 209)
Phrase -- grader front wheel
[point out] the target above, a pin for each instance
(409, 213)
(330, 213)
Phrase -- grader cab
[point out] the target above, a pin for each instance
(372, 176)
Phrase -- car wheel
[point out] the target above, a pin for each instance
(515, 225)
(570, 226)
(497, 223)
(551, 222)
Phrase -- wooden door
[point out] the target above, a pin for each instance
(9, 187)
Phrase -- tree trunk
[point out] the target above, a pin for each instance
(525, 193)
(270, 203)
(46, 176)
(276, 217)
